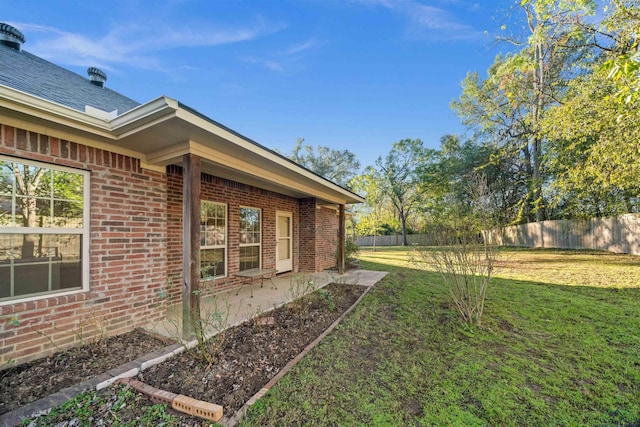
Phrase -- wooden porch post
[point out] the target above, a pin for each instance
(341, 239)
(191, 169)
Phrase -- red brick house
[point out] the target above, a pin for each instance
(109, 208)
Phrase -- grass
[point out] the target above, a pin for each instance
(560, 345)
(96, 408)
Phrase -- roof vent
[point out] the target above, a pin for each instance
(97, 76)
(10, 36)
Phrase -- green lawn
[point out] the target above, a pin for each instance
(560, 345)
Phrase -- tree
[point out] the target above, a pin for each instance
(43, 198)
(509, 105)
(620, 29)
(593, 133)
(594, 155)
(446, 178)
(371, 213)
(339, 166)
(400, 173)
(498, 115)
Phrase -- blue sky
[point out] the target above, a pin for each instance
(346, 74)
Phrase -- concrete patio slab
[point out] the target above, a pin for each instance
(243, 306)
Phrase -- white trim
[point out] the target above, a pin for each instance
(57, 119)
(247, 245)
(84, 231)
(226, 240)
(289, 215)
(202, 123)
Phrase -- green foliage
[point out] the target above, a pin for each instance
(561, 110)
(351, 251)
(398, 177)
(554, 130)
(339, 166)
(327, 297)
(623, 56)
(91, 408)
(594, 155)
(374, 214)
(554, 350)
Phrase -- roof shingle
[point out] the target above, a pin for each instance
(28, 73)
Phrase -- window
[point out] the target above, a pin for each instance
(44, 229)
(250, 238)
(213, 240)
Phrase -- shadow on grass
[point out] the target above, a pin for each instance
(547, 354)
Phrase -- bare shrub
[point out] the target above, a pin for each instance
(91, 329)
(209, 323)
(299, 286)
(466, 250)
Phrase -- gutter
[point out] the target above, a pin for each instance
(146, 116)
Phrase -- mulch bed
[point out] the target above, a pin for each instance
(253, 352)
(31, 381)
(248, 356)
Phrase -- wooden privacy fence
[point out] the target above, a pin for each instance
(615, 234)
(393, 240)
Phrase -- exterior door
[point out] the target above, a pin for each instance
(284, 258)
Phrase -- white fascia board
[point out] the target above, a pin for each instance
(263, 152)
(144, 116)
(111, 129)
(28, 104)
(242, 165)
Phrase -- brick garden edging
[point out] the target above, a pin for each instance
(134, 367)
(98, 382)
(179, 402)
(237, 417)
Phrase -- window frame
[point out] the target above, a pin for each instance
(84, 231)
(246, 245)
(226, 240)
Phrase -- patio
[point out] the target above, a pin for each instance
(242, 306)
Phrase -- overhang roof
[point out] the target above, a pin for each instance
(162, 131)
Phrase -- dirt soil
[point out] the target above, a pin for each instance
(31, 381)
(253, 352)
(247, 358)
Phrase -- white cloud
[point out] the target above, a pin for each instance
(430, 21)
(299, 48)
(134, 44)
(283, 60)
(267, 63)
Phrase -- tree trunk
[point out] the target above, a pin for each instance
(530, 197)
(538, 84)
(403, 221)
(538, 202)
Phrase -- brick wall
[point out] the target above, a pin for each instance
(308, 234)
(318, 236)
(326, 238)
(128, 260)
(234, 195)
(136, 244)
